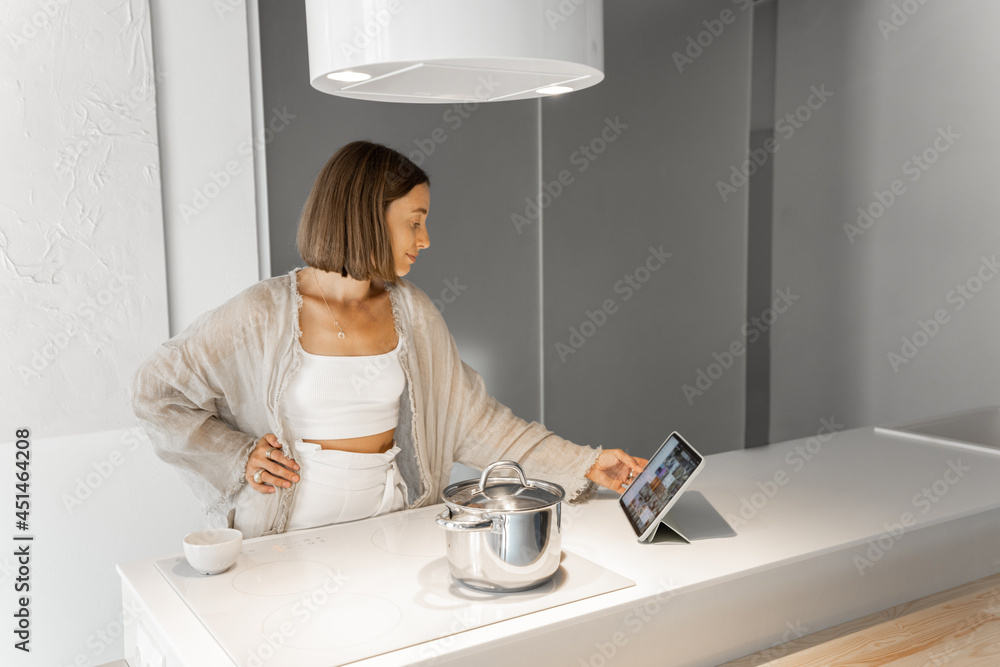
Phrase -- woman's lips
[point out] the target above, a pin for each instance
(412, 258)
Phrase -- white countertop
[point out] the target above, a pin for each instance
(825, 531)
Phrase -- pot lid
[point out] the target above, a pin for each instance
(504, 494)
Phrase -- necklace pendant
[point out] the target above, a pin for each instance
(341, 335)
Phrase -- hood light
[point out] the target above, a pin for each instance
(348, 76)
(554, 90)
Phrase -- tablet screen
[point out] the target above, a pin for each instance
(659, 482)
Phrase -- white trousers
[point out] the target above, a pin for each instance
(337, 486)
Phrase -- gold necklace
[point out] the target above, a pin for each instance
(340, 334)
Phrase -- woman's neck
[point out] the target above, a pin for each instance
(336, 288)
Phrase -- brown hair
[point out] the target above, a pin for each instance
(343, 226)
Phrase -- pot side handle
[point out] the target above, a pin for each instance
(445, 521)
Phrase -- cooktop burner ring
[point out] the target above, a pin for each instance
(283, 577)
(335, 622)
(409, 537)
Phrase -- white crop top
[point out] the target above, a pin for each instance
(331, 397)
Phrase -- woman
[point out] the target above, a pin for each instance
(347, 370)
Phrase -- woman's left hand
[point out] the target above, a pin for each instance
(612, 468)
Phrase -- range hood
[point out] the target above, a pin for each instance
(449, 51)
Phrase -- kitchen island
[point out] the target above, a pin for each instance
(787, 539)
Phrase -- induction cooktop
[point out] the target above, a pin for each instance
(338, 594)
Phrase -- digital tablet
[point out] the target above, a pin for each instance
(669, 471)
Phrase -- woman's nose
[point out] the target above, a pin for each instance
(423, 239)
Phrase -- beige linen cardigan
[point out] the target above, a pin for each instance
(208, 394)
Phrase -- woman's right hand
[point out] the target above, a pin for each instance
(278, 470)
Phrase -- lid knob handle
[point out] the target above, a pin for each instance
(501, 464)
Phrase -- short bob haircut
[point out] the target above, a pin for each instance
(343, 226)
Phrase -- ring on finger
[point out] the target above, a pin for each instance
(267, 454)
(256, 475)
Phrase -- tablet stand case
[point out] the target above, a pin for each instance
(667, 532)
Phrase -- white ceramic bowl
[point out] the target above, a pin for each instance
(212, 551)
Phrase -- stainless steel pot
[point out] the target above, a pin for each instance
(504, 537)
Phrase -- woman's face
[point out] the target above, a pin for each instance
(407, 219)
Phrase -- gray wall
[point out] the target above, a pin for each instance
(654, 184)
(892, 92)
(484, 167)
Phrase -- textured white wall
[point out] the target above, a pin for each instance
(910, 135)
(82, 282)
(83, 230)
